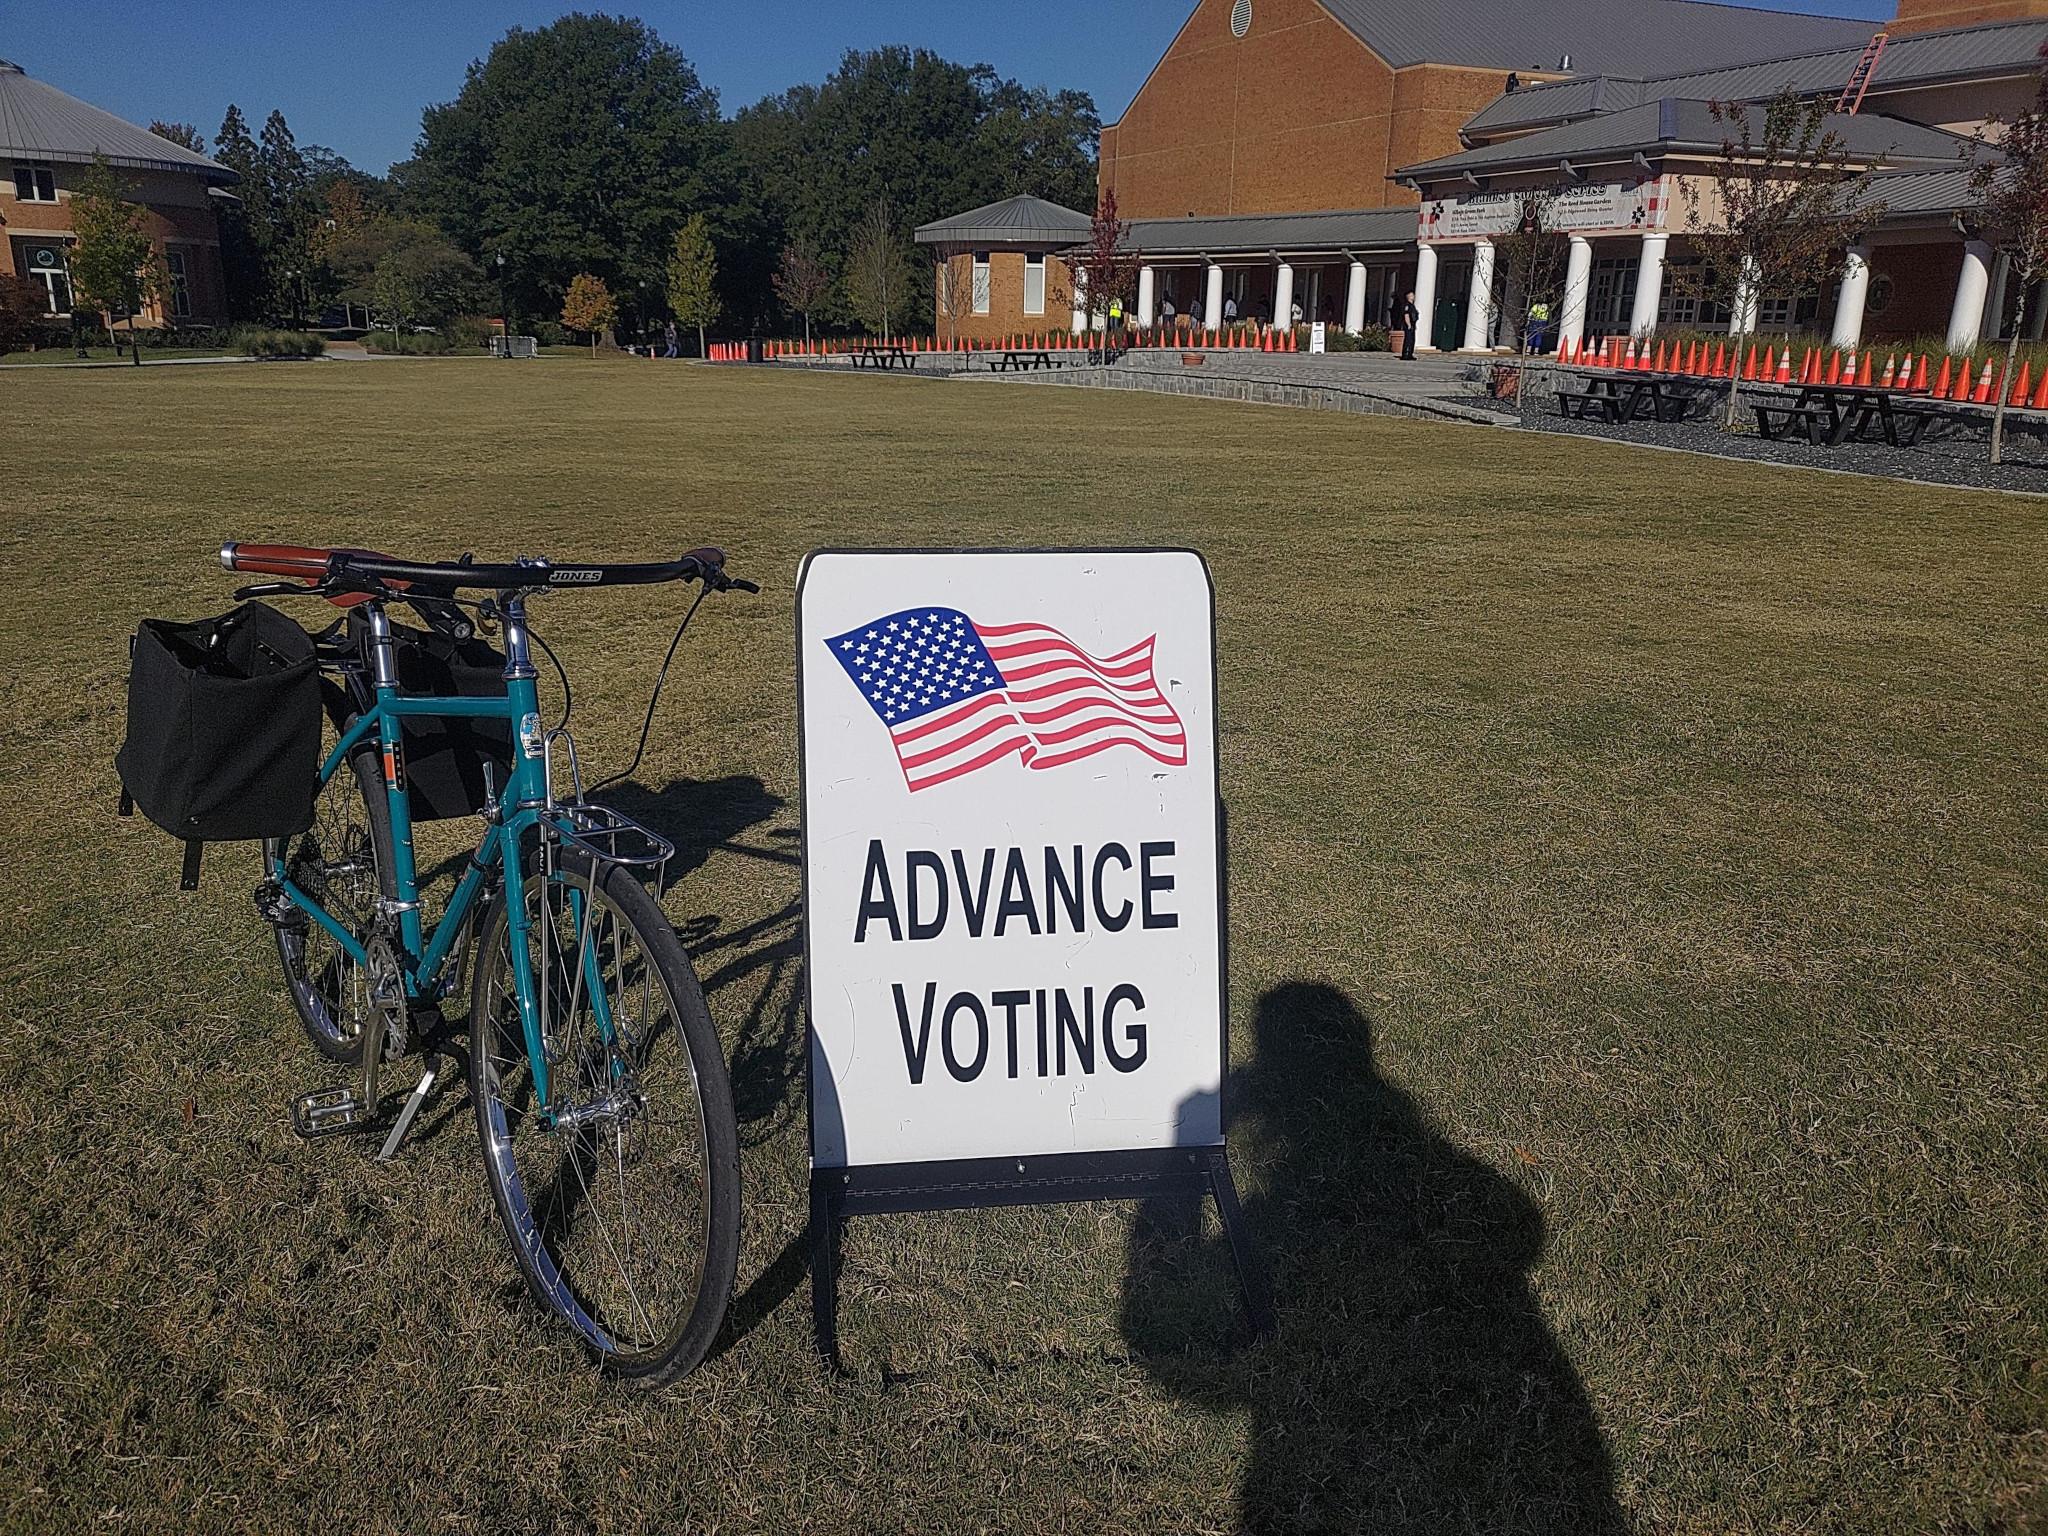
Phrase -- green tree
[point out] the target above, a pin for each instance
(878, 284)
(589, 306)
(409, 271)
(294, 280)
(693, 277)
(579, 147)
(241, 220)
(184, 135)
(115, 266)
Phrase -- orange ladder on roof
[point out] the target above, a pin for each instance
(1859, 77)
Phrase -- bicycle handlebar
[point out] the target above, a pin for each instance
(366, 570)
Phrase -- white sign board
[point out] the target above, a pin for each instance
(1318, 337)
(1012, 882)
(1581, 206)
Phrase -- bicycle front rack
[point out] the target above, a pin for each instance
(601, 834)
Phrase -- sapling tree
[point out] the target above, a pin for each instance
(1531, 257)
(693, 277)
(1775, 210)
(590, 307)
(1106, 268)
(2014, 196)
(802, 281)
(877, 271)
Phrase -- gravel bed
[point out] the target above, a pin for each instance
(1949, 454)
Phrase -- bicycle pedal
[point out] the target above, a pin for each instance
(328, 1112)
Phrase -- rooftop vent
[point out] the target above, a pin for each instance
(1564, 61)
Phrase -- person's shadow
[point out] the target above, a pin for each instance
(1413, 1384)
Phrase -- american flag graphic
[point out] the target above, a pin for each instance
(956, 695)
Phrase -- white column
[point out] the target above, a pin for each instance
(1148, 283)
(1425, 298)
(1080, 302)
(1642, 318)
(1742, 314)
(1479, 302)
(1848, 331)
(1973, 283)
(1283, 296)
(1354, 300)
(1212, 298)
(1994, 303)
(1578, 282)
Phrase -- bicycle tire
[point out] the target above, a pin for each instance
(539, 1241)
(316, 993)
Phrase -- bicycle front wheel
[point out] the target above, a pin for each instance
(620, 1192)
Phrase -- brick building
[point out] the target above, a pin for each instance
(47, 142)
(1328, 156)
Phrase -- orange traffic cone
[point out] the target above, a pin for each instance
(1834, 368)
(1863, 373)
(1919, 384)
(1890, 367)
(1785, 366)
(1658, 366)
(1749, 367)
(1629, 357)
(2019, 386)
(1941, 382)
(2040, 400)
(1984, 387)
(1962, 389)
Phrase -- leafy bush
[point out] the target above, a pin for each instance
(23, 315)
(548, 333)
(469, 333)
(417, 344)
(260, 341)
(1373, 338)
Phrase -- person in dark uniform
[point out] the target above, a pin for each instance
(1410, 318)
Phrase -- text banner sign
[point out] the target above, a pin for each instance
(1012, 869)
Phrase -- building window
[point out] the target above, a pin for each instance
(1034, 283)
(981, 282)
(41, 263)
(34, 184)
(1613, 293)
(181, 285)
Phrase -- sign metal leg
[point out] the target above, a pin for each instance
(1251, 1274)
(825, 1275)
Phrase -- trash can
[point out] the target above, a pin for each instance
(754, 350)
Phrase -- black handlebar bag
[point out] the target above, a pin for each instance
(451, 764)
(223, 737)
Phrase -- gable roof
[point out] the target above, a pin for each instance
(40, 122)
(1675, 125)
(1012, 221)
(1918, 58)
(1345, 228)
(1628, 37)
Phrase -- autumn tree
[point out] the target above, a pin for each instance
(2014, 194)
(1775, 210)
(1106, 268)
(589, 307)
(802, 281)
(877, 271)
(693, 277)
(115, 266)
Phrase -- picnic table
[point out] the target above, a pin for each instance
(1620, 397)
(879, 355)
(1831, 414)
(1021, 360)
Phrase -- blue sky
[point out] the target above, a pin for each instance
(355, 76)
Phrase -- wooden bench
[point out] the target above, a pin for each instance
(1775, 422)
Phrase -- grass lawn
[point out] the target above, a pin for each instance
(49, 355)
(1639, 972)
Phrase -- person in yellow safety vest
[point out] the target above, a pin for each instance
(1536, 334)
(1116, 314)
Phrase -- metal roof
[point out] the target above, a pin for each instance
(1630, 37)
(1919, 58)
(1013, 221)
(1671, 124)
(40, 122)
(1916, 194)
(1332, 229)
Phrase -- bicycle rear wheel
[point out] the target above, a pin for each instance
(621, 1194)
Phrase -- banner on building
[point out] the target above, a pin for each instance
(1583, 207)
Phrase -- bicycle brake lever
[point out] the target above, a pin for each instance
(739, 584)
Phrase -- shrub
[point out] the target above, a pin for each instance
(260, 341)
(415, 344)
(1373, 338)
(548, 333)
(469, 333)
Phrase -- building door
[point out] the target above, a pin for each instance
(1453, 293)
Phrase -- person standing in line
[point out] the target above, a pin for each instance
(1411, 317)
(1230, 309)
(668, 339)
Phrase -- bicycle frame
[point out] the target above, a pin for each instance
(524, 803)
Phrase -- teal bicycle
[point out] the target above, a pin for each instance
(599, 1086)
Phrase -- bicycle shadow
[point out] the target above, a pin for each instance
(1413, 1384)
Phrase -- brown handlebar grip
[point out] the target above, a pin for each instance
(298, 560)
(707, 557)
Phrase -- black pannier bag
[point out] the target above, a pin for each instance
(223, 739)
(445, 759)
